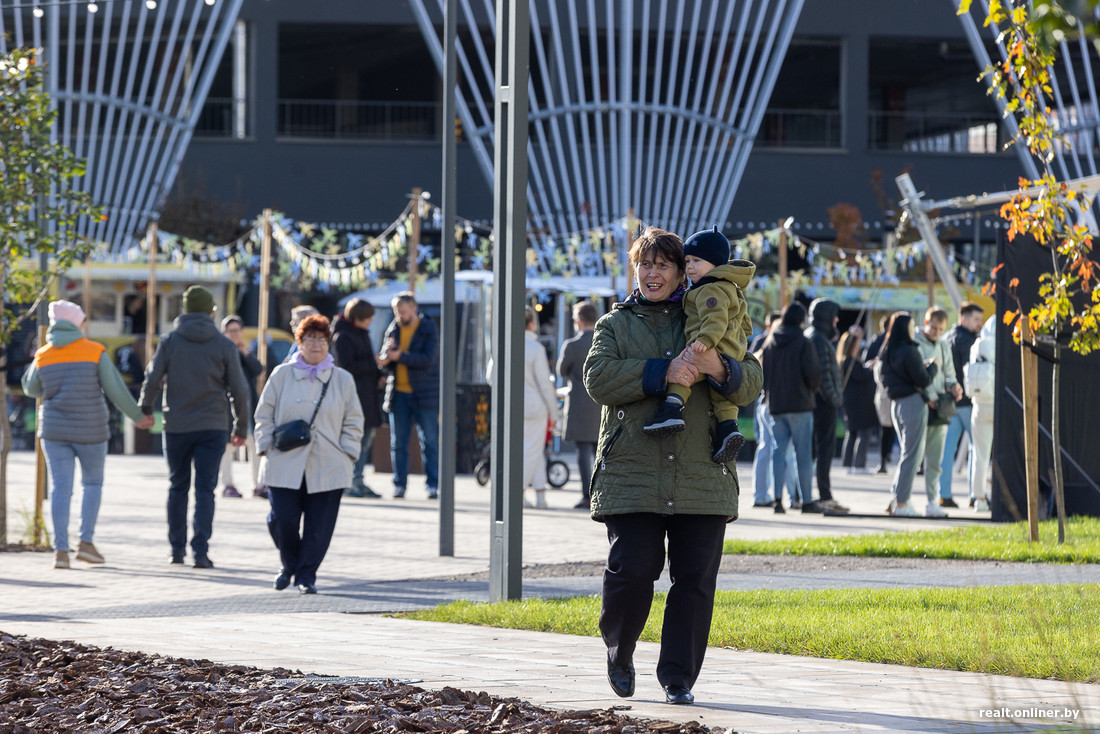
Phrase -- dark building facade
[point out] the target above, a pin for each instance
(330, 112)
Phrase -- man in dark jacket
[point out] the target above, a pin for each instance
(824, 315)
(200, 372)
(959, 339)
(352, 350)
(792, 377)
(582, 414)
(411, 359)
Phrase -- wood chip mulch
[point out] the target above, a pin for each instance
(48, 686)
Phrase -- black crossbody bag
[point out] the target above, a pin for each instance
(296, 433)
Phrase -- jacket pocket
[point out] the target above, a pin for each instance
(602, 458)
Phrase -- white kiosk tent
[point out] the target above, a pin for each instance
(129, 79)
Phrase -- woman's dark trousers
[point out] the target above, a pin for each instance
(634, 563)
(302, 551)
(886, 445)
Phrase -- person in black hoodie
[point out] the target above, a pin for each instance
(352, 350)
(824, 315)
(905, 375)
(792, 375)
(860, 417)
(887, 437)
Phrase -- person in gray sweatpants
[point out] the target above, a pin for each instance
(905, 376)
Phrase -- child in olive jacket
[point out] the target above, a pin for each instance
(717, 318)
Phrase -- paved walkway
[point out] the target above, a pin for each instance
(384, 557)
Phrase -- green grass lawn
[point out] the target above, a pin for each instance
(1000, 542)
(1025, 631)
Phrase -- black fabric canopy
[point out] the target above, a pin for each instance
(1080, 404)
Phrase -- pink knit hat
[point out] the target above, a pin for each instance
(66, 311)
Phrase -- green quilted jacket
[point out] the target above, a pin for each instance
(625, 373)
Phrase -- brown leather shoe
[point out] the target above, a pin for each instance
(86, 552)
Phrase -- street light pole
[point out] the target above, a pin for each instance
(509, 255)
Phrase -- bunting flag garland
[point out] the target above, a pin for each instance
(326, 256)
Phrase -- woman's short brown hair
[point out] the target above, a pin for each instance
(315, 323)
(357, 309)
(656, 243)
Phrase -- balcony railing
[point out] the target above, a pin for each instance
(352, 120)
(218, 118)
(799, 129)
(928, 132)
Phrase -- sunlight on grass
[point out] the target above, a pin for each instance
(1001, 542)
(1024, 631)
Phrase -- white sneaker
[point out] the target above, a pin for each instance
(981, 505)
(905, 511)
(934, 510)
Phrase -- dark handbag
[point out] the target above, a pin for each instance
(296, 433)
(944, 411)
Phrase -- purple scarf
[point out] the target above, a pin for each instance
(298, 362)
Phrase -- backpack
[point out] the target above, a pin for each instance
(978, 378)
(882, 400)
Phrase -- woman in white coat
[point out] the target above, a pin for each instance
(539, 403)
(306, 482)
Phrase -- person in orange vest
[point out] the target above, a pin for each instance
(72, 374)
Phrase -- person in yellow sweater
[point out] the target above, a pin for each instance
(717, 318)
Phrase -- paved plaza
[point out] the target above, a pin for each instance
(385, 558)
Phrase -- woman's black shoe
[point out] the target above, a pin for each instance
(679, 694)
(307, 589)
(621, 678)
(282, 581)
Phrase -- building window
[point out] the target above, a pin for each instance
(225, 114)
(382, 84)
(925, 97)
(804, 109)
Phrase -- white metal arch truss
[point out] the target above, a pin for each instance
(129, 83)
(1074, 106)
(650, 106)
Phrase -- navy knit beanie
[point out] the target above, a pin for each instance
(710, 245)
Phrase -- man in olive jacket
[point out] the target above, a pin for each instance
(200, 372)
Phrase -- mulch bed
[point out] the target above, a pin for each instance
(48, 686)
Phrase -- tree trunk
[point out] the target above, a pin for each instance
(5, 449)
(1056, 440)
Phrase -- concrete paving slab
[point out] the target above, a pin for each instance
(384, 557)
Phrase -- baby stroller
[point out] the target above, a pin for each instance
(557, 471)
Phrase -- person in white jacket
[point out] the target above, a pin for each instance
(981, 386)
(308, 481)
(539, 403)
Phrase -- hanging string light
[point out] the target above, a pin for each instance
(92, 7)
